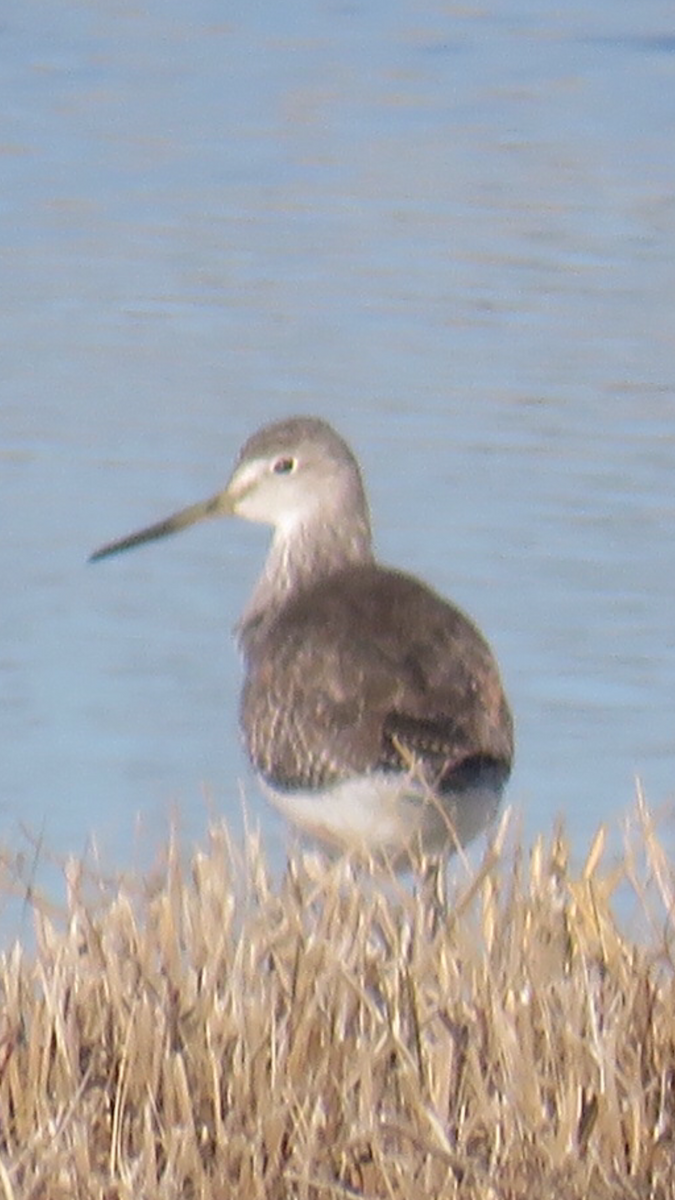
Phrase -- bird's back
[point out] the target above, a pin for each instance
(368, 669)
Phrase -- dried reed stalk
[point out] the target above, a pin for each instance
(214, 1035)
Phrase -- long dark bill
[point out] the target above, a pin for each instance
(218, 505)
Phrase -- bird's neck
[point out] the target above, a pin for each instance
(298, 558)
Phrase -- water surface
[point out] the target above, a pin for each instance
(452, 234)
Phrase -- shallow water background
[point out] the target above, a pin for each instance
(448, 230)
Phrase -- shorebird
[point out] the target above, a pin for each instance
(372, 709)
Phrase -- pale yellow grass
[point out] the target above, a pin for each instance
(211, 1034)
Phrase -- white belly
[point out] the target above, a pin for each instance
(389, 817)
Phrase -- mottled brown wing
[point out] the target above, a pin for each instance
(367, 669)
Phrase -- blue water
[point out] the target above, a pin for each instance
(452, 235)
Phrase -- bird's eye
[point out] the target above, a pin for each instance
(284, 466)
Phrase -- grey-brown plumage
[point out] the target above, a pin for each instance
(372, 709)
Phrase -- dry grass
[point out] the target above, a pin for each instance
(213, 1035)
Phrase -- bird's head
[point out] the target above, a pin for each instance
(291, 474)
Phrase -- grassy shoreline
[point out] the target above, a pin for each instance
(209, 1033)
